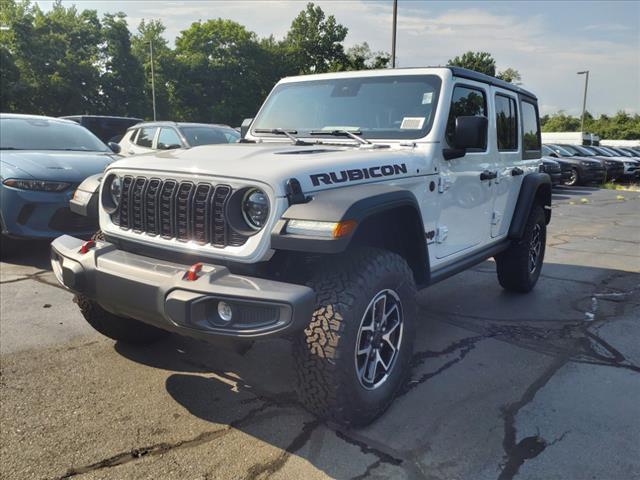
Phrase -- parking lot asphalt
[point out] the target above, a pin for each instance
(539, 386)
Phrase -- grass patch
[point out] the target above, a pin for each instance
(631, 187)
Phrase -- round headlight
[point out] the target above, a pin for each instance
(255, 208)
(115, 190)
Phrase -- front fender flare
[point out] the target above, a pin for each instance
(348, 203)
(536, 187)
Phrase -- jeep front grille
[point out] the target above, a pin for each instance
(170, 209)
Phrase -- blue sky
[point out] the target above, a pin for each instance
(548, 42)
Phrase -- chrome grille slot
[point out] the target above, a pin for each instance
(167, 194)
(151, 206)
(219, 227)
(184, 211)
(183, 207)
(200, 214)
(125, 203)
(137, 207)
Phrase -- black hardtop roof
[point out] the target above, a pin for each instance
(481, 77)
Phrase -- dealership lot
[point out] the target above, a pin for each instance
(540, 386)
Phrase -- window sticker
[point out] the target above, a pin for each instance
(412, 123)
(427, 98)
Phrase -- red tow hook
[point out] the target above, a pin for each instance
(192, 273)
(86, 246)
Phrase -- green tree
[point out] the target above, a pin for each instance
(360, 57)
(122, 80)
(560, 122)
(55, 55)
(218, 72)
(482, 62)
(314, 41)
(510, 75)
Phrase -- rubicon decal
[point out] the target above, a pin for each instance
(357, 174)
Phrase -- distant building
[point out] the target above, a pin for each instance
(571, 138)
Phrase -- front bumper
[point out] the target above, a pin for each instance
(157, 292)
(596, 175)
(34, 214)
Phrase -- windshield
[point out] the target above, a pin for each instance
(389, 107)
(44, 134)
(209, 135)
(583, 151)
(562, 151)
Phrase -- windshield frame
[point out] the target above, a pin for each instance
(367, 135)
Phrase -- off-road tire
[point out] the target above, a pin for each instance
(126, 330)
(513, 265)
(328, 383)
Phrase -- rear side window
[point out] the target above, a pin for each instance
(465, 102)
(506, 123)
(530, 127)
(145, 137)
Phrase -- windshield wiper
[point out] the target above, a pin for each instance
(11, 148)
(281, 131)
(343, 133)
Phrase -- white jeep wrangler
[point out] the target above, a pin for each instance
(348, 192)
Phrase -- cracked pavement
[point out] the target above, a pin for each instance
(541, 386)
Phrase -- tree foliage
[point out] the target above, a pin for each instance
(66, 61)
(484, 62)
(621, 126)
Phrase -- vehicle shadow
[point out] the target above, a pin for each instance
(254, 391)
(583, 191)
(31, 253)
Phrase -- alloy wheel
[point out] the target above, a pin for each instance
(379, 339)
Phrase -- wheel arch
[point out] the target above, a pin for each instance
(535, 190)
(387, 217)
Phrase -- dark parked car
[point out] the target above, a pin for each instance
(108, 129)
(613, 166)
(583, 170)
(553, 169)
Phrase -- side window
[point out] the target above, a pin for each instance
(145, 137)
(506, 123)
(466, 101)
(168, 139)
(530, 127)
(134, 134)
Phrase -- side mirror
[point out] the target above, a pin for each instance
(115, 148)
(244, 128)
(469, 132)
(553, 154)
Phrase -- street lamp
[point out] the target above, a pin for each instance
(393, 34)
(153, 83)
(584, 100)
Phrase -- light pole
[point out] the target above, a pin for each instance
(584, 100)
(393, 34)
(153, 83)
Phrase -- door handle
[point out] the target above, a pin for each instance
(516, 171)
(488, 175)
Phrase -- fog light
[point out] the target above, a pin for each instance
(224, 311)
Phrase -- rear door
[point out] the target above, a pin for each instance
(509, 156)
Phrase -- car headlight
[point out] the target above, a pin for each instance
(115, 190)
(586, 164)
(37, 185)
(111, 193)
(255, 208)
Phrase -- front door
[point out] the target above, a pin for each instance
(465, 183)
